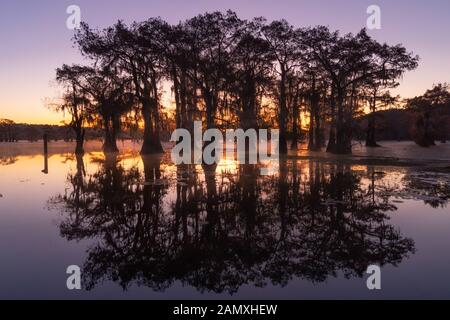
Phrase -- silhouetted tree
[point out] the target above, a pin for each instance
(433, 107)
(252, 62)
(389, 64)
(136, 53)
(75, 101)
(281, 38)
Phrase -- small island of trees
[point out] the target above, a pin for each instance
(312, 83)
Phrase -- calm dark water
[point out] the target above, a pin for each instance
(144, 228)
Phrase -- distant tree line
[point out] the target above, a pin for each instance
(15, 132)
(7, 134)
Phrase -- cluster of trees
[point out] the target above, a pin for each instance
(432, 115)
(227, 71)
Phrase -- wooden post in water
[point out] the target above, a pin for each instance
(45, 138)
(45, 143)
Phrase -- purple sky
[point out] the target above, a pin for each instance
(35, 41)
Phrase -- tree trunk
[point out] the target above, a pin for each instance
(332, 135)
(370, 139)
(110, 145)
(183, 101)
(248, 98)
(314, 143)
(151, 143)
(295, 127)
(210, 111)
(428, 134)
(283, 112)
(318, 132)
(311, 143)
(176, 91)
(343, 134)
(80, 133)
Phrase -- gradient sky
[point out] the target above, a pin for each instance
(34, 39)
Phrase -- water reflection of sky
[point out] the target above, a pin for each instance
(40, 236)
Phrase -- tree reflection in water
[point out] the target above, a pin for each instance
(7, 160)
(218, 232)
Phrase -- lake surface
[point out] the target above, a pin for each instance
(141, 227)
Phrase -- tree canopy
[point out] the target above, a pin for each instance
(227, 71)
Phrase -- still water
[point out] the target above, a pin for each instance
(141, 227)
